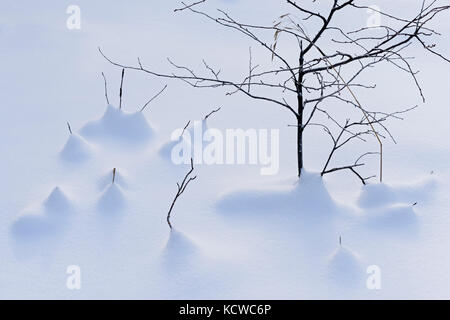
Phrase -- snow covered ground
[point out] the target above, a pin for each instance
(237, 234)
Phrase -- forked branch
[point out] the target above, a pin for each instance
(181, 187)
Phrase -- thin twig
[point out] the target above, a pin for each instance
(185, 127)
(181, 187)
(114, 175)
(154, 97)
(68, 126)
(120, 92)
(188, 6)
(106, 88)
(213, 111)
(249, 68)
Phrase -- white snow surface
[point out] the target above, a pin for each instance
(237, 234)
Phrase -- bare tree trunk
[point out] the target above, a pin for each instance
(299, 146)
(300, 107)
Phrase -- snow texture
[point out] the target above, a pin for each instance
(237, 234)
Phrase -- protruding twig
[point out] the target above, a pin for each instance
(249, 68)
(340, 241)
(181, 187)
(185, 127)
(188, 6)
(114, 175)
(68, 126)
(120, 92)
(106, 88)
(209, 114)
(154, 97)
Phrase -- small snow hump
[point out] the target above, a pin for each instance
(381, 194)
(345, 269)
(396, 217)
(119, 127)
(112, 200)
(57, 201)
(179, 244)
(391, 207)
(179, 253)
(76, 149)
(46, 220)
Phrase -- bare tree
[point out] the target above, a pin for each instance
(307, 85)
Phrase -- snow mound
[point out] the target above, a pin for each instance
(112, 200)
(47, 220)
(183, 271)
(308, 196)
(117, 126)
(76, 149)
(389, 207)
(345, 268)
(396, 216)
(381, 194)
(178, 248)
(57, 202)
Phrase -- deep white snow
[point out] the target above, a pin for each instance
(236, 234)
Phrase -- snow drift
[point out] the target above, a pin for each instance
(118, 126)
(307, 197)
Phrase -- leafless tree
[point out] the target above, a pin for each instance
(325, 73)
